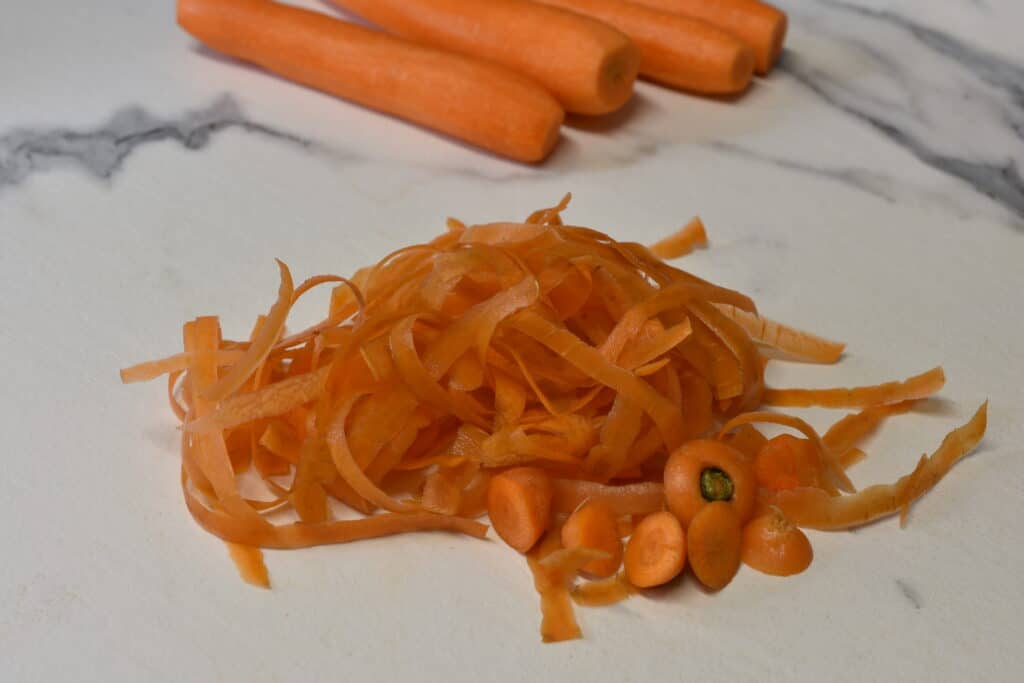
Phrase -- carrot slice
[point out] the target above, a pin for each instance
(713, 542)
(519, 505)
(656, 551)
(771, 544)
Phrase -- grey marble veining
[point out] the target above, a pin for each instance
(102, 151)
(875, 183)
(955, 107)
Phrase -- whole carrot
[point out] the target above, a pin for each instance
(675, 50)
(589, 66)
(758, 24)
(484, 104)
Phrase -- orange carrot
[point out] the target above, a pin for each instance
(589, 66)
(771, 544)
(758, 24)
(656, 552)
(678, 51)
(519, 505)
(713, 542)
(481, 103)
(701, 472)
(787, 462)
(594, 526)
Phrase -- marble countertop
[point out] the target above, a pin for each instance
(871, 189)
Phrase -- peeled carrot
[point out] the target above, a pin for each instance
(701, 472)
(594, 526)
(589, 66)
(481, 103)
(760, 25)
(771, 544)
(675, 50)
(713, 542)
(656, 552)
(519, 505)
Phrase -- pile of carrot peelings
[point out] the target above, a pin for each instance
(495, 347)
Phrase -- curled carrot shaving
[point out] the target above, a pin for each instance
(795, 343)
(553, 569)
(817, 510)
(682, 242)
(143, 372)
(833, 473)
(919, 386)
(261, 345)
(603, 592)
(268, 402)
(842, 436)
(629, 499)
